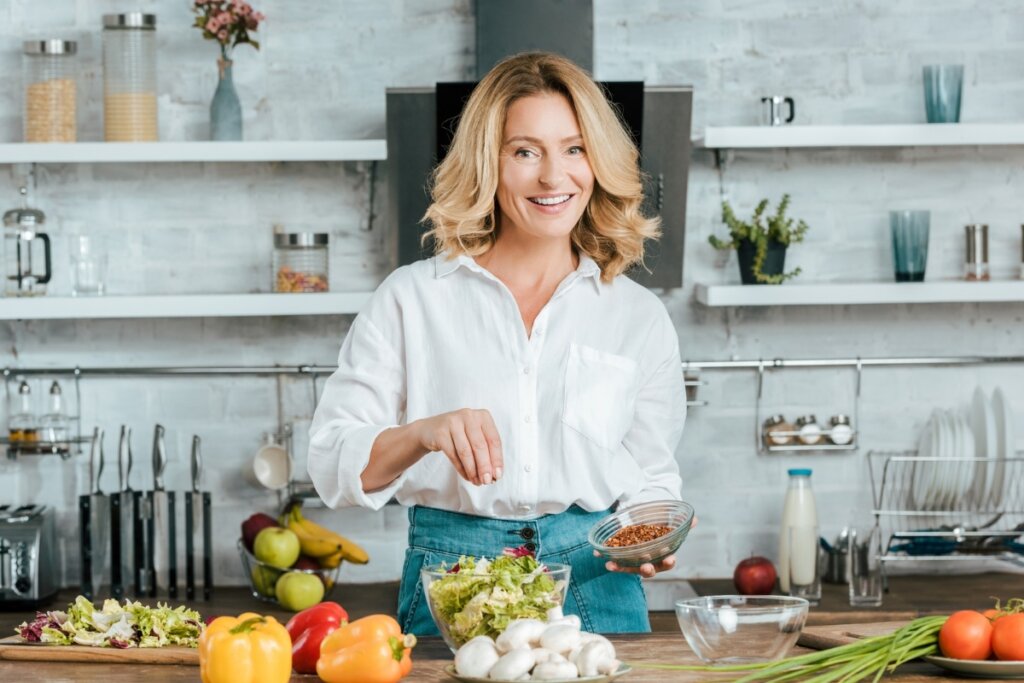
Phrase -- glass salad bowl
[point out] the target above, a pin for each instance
(741, 629)
(481, 597)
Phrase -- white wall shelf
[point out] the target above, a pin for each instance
(854, 293)
(149, 152)
(184, 306)
(923, 135)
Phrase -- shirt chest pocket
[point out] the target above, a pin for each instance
(600, 395)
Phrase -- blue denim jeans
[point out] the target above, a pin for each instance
(606, 602)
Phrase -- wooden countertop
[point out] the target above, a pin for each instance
(908, 597)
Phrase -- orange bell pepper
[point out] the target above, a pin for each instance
(368, 650)
(246, 649)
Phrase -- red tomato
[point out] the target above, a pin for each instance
(1008, 637)
(966, 635)
(992, 614)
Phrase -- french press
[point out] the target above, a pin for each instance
(25, 249)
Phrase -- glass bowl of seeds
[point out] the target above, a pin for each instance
(647, 532)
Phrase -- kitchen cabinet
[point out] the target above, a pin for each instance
(182, 152)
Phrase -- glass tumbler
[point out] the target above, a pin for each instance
(943, 85)
(865, 567)
(88, 265)
(909, 244)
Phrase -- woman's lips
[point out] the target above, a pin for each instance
(554, 204)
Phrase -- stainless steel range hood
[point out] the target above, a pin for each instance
(505, 28)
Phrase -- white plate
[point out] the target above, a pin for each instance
(964, 453)
(983, 424)
(980, 669)
(623, 670)
(1006, 444)
(943, 471)
(922, 470)
(975, 495)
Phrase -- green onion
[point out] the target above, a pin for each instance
(866, 658)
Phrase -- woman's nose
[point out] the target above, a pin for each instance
(551, 172)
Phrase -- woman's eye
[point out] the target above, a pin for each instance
(524, 153)
(576, 150)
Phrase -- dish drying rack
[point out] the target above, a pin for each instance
(956, 508)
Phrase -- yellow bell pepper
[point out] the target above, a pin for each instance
(248, 648)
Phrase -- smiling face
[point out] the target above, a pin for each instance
(545, 180)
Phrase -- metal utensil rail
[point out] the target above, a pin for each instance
(956, 508)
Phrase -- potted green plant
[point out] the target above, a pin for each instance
(761, 243)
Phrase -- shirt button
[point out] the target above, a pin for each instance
(526, 370)
(528, 468)
(538, 332)
(526, 418)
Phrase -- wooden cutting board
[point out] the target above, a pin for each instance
(825, 636)
(15, 649)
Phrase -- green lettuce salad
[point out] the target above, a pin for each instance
(481, 597)
(130, 625)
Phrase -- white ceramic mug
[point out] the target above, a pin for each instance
(271, 466)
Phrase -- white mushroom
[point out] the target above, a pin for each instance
(561, 638)
(552, 671)
(593, 657)
(513, 664)
(476, 658)
(520, 633)
(571, 619)
(608, 667)
(542, 654)
(555, 613)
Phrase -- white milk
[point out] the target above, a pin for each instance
(798, 512)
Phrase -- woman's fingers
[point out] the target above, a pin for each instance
(448, 448)
(481, 452)
(464, 451)
(490, 432)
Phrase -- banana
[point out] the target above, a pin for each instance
(332, 561)
(351, 551)
(313, 544)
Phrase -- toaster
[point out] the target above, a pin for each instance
(29, 570)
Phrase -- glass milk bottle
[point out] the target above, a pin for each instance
(798, 534)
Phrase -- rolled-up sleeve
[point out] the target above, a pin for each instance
(362, 398)
(658, 422)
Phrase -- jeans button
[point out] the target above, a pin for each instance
(531, 546)
(526, 533)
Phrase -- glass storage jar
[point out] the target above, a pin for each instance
(129, 77)
(300, 262)
(50, 76)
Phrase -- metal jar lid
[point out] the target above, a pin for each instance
(774, 420)
(130, 20)
(50, 47)
(840, 420)
(24, 218)
(300, 239)
(806, 420)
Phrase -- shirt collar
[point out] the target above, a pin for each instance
(445, 265)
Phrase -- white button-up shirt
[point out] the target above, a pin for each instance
(590, 407)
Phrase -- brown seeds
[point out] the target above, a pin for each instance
(636, 534)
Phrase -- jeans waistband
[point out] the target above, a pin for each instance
(462, 534)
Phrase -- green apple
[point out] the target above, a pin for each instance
(264, 579)
(298, 590)
(276, 546)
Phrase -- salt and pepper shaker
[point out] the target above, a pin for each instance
(775, 431)
(809, 430)
(976, 261)
(841, 432)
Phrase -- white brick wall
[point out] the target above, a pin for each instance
(321, 74)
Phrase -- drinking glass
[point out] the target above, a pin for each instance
(865, 567)
(88, 265)
(943, 84)
(804, 563)
(909, 244)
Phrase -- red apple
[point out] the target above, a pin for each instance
(253, 526)
(306, 562)
(754, 576)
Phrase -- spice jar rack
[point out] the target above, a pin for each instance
(788, 440)
(41, 442)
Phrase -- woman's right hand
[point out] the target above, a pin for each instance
(469, 438)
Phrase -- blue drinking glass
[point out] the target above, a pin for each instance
(943, 84)
(909, 244)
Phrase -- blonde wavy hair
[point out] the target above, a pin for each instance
(462, 214)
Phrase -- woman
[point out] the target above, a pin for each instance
(517, 386)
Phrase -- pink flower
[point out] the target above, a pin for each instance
(212, 25)
(259, 16)
(222, 35)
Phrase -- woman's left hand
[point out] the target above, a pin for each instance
(645, 570)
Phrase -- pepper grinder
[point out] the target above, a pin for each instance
(976, 263)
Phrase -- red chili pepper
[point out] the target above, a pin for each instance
(308, 629)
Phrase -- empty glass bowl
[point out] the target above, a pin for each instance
(467, 604)
(675, 514)
(740, 629)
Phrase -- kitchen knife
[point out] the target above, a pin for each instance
(159, 544)
(124, 536)
(89, 520)
(116, 539)
(192, 508)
